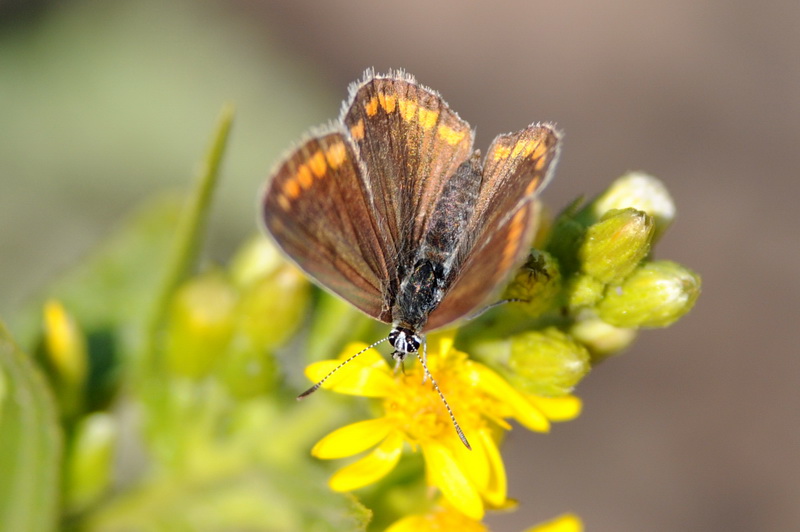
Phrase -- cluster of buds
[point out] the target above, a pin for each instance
(591, 287)
(229, 323)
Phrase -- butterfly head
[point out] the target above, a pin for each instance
(404, 341)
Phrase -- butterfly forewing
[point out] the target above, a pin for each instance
(410, 143)
(317, 209)
(503, 222)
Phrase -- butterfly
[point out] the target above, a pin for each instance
(390, 208)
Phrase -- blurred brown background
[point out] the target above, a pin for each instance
(697, 427)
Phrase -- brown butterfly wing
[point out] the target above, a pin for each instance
(317, 207)
(515, 169)
(410, 143)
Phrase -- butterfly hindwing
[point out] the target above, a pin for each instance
(503, 221)
(516, 167)
(318, 209)
(483, 274)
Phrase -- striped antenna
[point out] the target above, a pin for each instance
(337, 368)
(441, 395)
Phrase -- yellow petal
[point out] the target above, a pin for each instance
(412, 523)
(562, 523)
(496, 489)
(371, 468)
(558, 408)
(474, 463)
(438, 519)
(444, 472)
(352, 379)
(352, 439)
(531, 417)
(521, 408)
(370, 357)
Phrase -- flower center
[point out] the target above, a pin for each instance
(418, 411)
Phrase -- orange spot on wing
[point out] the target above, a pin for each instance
(335, 155)
(291, 189)
(317, 164)
(408, 109)
(512, 240)
(450, 135)
(387, 101)
(303, 176)
(533, 185)
(283, 202)
(427, 118)
(501, 152)
(357, 131)
(522, 149)
(540, 150)
(371, 107)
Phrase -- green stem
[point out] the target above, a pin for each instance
(190, 230)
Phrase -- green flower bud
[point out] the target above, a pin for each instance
(66, 357)
(89, 460)
(256, 259)
(201, 323)
(248, 370)
(273, 307)
(584, 291)
(547, 362)
(615, 245)
(536, 284)
(639, 191)
(601, 339)
(655, 295)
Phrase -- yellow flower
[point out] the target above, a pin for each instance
(444, 518)
(562, 523)
(469, 480)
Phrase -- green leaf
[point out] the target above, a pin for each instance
(237, 467)
(30, 444)
(250, 500)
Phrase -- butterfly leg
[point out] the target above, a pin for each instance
(495, 304)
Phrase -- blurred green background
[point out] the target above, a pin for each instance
(103, 104)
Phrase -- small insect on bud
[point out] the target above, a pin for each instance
(536, 284)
